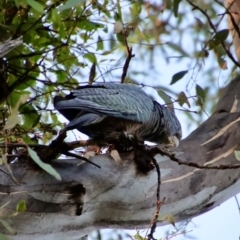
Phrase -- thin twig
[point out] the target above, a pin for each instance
(235, 25)
(192, 164)
(70, 154)
(56, 147)
(14, 145)
(237, 203)
(126, 64)
(159, 203)
(195, 7)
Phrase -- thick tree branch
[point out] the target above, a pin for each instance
(118, 195)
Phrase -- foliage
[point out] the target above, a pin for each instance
(71, 42)
(5, 215)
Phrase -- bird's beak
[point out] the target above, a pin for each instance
(173, 141)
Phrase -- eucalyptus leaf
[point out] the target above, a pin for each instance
(35, 5)
(200, 92)
(237, 155)
(3, 237)
(175, 7)
(71, 4)
(7, 226)
(21, 207)
(46, 167)
(177, 76)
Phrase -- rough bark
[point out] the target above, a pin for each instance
(9, 45)
(117, 196)
(233, 6)
(5, 48)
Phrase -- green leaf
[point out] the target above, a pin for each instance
(237, 155)
(220, 54)
(119, 9)
(70, 4)
(4, 205)
(164, 96)
(121, 38)
(175, 7)
(14, 119)
(35, 5)
(54, 118)
(92, 73)
(169, 218)
(202, 53)
(178, 48)
(117, 17)
(200, 92)
(21, 207)
(89, 25)
(3, 237)
(99, 43)
(90, 56)
(222, 63)
(28, 140)
(137, 7)
(182, 98)
(7, 226)
(30, 116)
(13, 98)
(177, 76)
(46, 167)
(106, 52)
(222, 35)
(138, 237)
(28, 84)
(219, 37)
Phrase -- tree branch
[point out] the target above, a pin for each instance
(229, 54)
(127, 62)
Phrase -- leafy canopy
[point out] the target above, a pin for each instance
(72, 42)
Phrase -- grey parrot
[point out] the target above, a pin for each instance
(107, 110)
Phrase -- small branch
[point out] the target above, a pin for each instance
(127, 62)
(184, 110)
(71, 145)
(192, 164)
(80, 157)
(81, 143)
(238, 205)
(15, 145)
(159, 203)
(231, 17)
(54, 149)
(195, 7)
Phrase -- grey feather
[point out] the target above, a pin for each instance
(106, 110)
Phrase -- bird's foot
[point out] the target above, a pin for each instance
(127, 136)
(130, 140)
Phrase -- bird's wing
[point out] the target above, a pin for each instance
(83, 120)
(116, 100)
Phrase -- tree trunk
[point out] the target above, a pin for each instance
(117, 195)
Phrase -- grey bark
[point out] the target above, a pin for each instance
(9, 45)
(117, 196)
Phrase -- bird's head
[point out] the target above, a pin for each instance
(173, 130)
